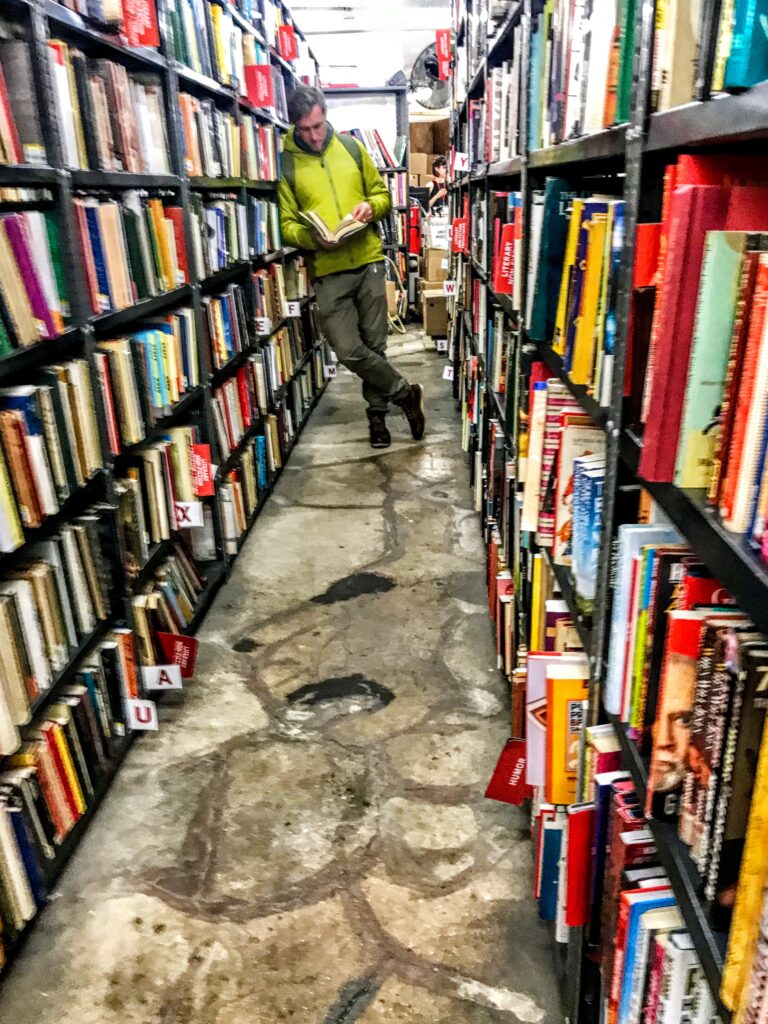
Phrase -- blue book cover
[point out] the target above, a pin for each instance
(550, 869)
(617, 243)
(534, 102)
(24, 400)
(186, 365)
(221, 239)
(92, 220)
(755, 528)
(596, 478)
(229, 342)
(748, 62)
(636, 911)
(602, 800)
(28, 855)
(261, 462)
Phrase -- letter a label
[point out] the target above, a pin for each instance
(142, 715)
(161, 677)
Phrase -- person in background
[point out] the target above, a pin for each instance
(334, 176)
(438, 190)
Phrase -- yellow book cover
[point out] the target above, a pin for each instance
(602, 305)
(571, 243)
(567, 688)
(217, 17)
(157, 216)
(584, 343)
(537, 604)
(168, 367)
(745, 925)
(69, 769)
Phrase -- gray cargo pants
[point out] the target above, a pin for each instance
(353, 307)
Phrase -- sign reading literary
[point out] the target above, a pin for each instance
(180, 650)
(142, 715)
(286, 41)
(443, 47)
(259, 85)
(459, 234)
(188, 514)
(161, 677)
(202, 470)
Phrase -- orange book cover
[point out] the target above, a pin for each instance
(567, 689)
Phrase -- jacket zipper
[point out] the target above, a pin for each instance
(333, 187)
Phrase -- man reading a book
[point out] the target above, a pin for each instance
(331, 193)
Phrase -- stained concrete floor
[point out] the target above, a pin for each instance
(306, 838)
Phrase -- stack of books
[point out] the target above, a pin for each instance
(51, 446)
(132, 248)
(156, 478)
(110, 119)
(143, 376)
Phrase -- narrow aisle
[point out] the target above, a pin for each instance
(306, 838)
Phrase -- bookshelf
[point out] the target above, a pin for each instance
(289, 399)
(633, 153)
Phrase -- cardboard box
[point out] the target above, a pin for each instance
(420, 137)
(425, 180)
(435, 311)
(418, 163)
(436, 264)
(441, 135)
(413, 181)
(391, 298)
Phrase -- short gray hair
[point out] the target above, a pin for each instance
(302, 100)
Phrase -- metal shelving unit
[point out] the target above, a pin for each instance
(630, 151)
(37, 21)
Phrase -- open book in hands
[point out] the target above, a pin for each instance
(344, 229)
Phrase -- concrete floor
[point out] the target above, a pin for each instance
(306, 838)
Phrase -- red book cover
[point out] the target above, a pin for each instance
(202, 471)
(180, 650)
(286, 42)
(176, 215)
(694, 211)
(140, 23)
(647, 241)
(672, 728)
(86, 253)
(10, 134)
(242, 394)
(53, 792)
(581, 819)
(508, 783)
(47, 730)
(505, 266)
(259, 85)
(745, 386)
(385, 152)
(105, 382)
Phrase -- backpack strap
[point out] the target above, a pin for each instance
(288, 165)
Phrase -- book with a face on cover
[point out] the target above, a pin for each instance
(346, 227)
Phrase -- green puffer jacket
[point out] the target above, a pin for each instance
(331, 184)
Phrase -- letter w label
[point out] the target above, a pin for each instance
(449, 288)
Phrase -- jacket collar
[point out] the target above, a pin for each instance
(301, 145)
